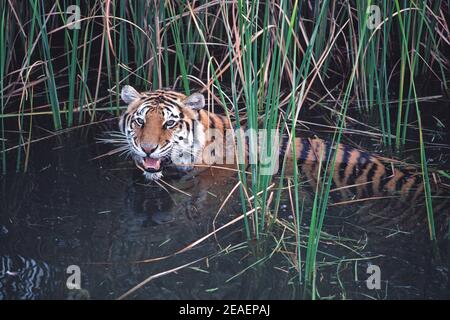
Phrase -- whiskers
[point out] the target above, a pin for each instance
(118, 139)
(114, 137)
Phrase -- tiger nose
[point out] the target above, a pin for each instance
(149, 148)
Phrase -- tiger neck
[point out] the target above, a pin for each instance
(205, 127)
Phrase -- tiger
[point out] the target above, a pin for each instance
(165, 128)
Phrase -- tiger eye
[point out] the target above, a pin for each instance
(170, 123)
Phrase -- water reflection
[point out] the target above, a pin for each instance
(24, 278)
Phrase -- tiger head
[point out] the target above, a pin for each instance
(162, 127)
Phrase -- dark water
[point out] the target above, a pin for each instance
(98, 214)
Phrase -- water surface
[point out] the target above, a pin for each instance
(73, 208)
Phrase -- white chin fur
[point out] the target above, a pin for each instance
(153, 175)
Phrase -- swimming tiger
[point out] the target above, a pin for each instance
(163, 127)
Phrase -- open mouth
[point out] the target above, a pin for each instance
(151, 164)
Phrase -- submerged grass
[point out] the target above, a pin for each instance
(263, 62)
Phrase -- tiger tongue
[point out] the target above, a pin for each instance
(151, 163)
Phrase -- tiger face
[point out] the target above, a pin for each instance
(162, 127)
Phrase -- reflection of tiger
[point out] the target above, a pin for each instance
(24, 278)
(163, 127)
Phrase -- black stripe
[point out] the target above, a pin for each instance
(364, 161)
(400, 182)
(352, 178)
(170, 106)
(344, 163)
(370, 175)
(383, 181)
(306, 146)
(416, 183)
(385, 178)
(283, 147)
(211, 122)
(328, 150)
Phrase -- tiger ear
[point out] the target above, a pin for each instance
(129, 94)
(195, 101)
